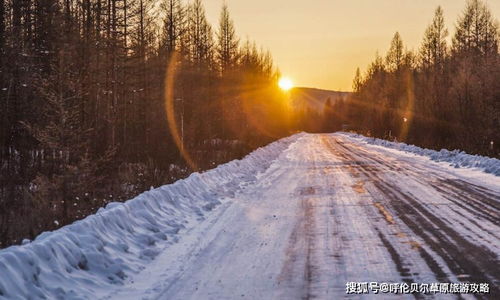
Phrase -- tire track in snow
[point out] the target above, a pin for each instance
(306, 247)
(463, 198)
(469, 262)
(329, 211)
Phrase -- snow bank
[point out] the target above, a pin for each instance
(81, 259)
(456, 158)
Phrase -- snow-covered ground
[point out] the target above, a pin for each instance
(455, 158)
(297, 219)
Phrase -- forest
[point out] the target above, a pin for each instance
(446, 94)
(103, 99)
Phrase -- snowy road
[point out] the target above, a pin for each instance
(331, 210)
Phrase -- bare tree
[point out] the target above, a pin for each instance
(227, 43)
(433, 51)
(173, 25)
(200, 35)
(476, 31)
(395, 56)
(357, 82)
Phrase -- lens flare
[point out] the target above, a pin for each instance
(172, 117)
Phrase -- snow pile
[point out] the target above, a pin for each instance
(456, 158)
(82, 259)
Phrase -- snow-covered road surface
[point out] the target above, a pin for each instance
(298, 219)
(328, 211)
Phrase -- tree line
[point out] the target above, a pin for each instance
(102, 99)
(441, 96)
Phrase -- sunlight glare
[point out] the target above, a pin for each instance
(285, 83)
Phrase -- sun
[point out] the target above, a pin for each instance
(285, 83)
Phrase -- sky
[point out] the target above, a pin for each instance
(320, 43)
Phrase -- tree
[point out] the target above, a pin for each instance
(395, 56)
(476, 31)
(60, 133)
(376, 67)
(199, 35)
(434, 49)
(78, 78)
(2, 28)
(227, 46)
(474, 89)
(3, 81)
(173, 25)
(357, 82)
(433, 89)
(450, 100)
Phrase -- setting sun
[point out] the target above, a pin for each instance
(285, 83)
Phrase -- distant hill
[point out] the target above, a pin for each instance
(314, 98)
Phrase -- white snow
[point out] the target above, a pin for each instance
(86, 258)
(456, 158)
(295, 219)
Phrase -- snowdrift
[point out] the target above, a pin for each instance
(81, 259)
(455, 158)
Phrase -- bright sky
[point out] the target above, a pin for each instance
(319, 43)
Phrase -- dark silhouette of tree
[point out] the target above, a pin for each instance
(357, 82)
(227, 42)
(449, 99)
(82, 100)
(476, 32)
(433, 51)
(200, 36)
(395, 56)
(174, 25)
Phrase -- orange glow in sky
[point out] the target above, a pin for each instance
(320, 43)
